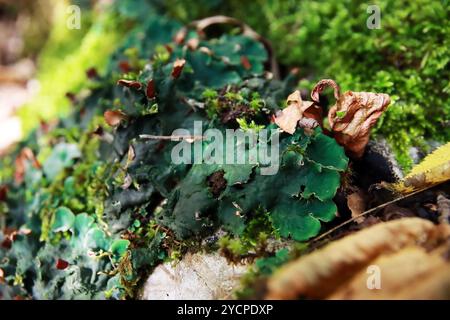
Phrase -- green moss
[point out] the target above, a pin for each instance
(65, 58)
(407, 58)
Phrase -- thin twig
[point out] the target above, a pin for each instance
(324, 235)
(173, 138)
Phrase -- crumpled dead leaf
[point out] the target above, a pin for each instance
(319, 274)
(353, 115)
(296, 109)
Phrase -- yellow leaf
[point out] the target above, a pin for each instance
(434, 169)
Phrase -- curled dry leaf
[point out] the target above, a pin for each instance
(178, 66)
(319, 274)
(2, 276)
(25, 155)
(130, 84)
(296, 109)
(321, 85)
(353, 115)
(114, 117)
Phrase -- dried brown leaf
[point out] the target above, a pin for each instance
(320, 273)
(412, 273)
(114, 117)
(296, 109)
(352, 117)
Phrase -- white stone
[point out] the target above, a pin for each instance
(197, 276)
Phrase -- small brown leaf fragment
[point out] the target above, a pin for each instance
(321, 272)
(61, 264)
(352, 117)
(130, 84)
(178, 66)
(357, 204)
(114, 117)
(150, 91)
(2, 276)
(245, 63)
(26, 155)
(289, 117)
